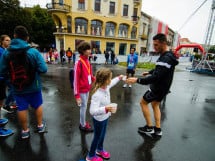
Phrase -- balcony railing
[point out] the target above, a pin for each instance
(58, 7)
(144, 37)
(135, 19)
(136, 2)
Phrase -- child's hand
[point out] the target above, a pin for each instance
(122, 77)
(109, 109)
(78, 101)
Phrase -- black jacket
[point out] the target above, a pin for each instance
(160, 78)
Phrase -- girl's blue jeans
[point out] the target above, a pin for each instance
(99, 135)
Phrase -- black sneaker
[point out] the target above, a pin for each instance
(7, 109)
(157, 131)
(146, 129)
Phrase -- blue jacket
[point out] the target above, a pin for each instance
(1, 53)
(132, 61)
(34, 55)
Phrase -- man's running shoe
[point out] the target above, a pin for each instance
(124, 86)
(5, 132)
(157, 131)
(7, 109)
(3, 122)
(42, 129)
(146, 129)
(25, 134)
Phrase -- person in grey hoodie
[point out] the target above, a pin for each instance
(160, 80)
(31, 94)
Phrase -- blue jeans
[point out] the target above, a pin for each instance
(99, 135)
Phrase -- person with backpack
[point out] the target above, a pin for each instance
(5, 40)
(69, 55)
(83, 79)
(9, 104)
(24, 65)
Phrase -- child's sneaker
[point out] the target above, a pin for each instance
(104, 154)
(86, 128)
(146, 129)
(95, 158)
(5, 132)
(41, 129)
(25, 134)
(3, 122)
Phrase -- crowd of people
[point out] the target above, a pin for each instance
(86, 86)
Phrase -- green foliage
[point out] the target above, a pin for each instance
(38, 22)
(143, 65)
(197, 56)
(43, 27)
(211, 57)
(212, 49)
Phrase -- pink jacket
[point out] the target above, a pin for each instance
(81, 72)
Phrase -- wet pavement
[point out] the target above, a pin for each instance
(188, 123)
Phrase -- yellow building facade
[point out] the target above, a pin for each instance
(105, 24)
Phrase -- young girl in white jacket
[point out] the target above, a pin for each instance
(100, 109)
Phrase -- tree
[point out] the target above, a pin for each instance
(212, 49)
(42, 27)
(8, 18)
(38, 22)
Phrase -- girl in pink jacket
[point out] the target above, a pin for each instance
(83, 79)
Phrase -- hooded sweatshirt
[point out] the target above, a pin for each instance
(36, 59)
(160, 78)
(82, 74)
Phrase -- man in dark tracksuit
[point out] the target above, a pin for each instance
(160, 80)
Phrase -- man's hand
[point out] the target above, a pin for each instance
(145, 73)
(131, 80)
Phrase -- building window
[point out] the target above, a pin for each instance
(133, 32)
(144, 28)
(80, 26)
(125, 10)
(112, 8)
(110, 29)
(123, 30)
(95, 47)
(81, 4)
(69, 24)
(132, 46)
(96, 27)
(110, 46)
(61, 43)
(122, 48)
(61, 2)
(135, 17)
(97, 5)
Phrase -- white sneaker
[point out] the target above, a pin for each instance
(130, 86)
(125, 85)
